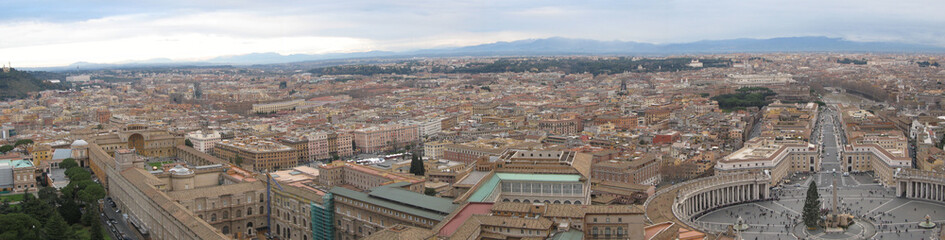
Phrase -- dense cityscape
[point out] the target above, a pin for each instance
(472, 120)
(689, 147)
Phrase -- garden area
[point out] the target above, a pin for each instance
(72, 213)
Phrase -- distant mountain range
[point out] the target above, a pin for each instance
(556, 46)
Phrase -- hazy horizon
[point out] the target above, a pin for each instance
(51, 33)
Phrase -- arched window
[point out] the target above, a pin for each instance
(249, 211)
(567, 201)
(607, 231)
(213, 217)
(557, 202)
(516, 200)
(226, 230)
(262, 210)
(577, 202)
(239, 213)
(226, 215)
(527, 201)
(261, 197)
(620, 231)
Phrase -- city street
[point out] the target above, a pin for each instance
(116, 225)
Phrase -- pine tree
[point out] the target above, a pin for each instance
(96, 228)
(811, 214)
(91, 215)
(69, 210)
(56, 227)
(416, 166)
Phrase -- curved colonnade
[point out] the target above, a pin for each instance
(695, 198)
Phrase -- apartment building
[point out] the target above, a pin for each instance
(204, 141)
(258, 154)
(384, 138)
(340, 173)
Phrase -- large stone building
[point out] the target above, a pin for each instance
(144, 140)
(339, 173)
(17, 176)
(529, 188)
(295, 201)
(567, 126)
(277, 106)
(542, 221)
(759, 80)
(146, 198)
(258, 154)
(641, 170)
(360, 214)
(383, 138)
(873, 145)
(204, 141)
(470, 152)
(782, 147)
(778, 158)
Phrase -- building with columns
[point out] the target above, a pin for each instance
(776, 158)
(918, 184)
(699, 196)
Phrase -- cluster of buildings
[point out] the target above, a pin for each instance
(211, 153)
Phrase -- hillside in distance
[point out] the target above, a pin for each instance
(555, 46)
(18, 84)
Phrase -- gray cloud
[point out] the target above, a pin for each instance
(413, 24)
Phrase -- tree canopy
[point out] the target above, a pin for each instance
(68, 163)
(745, 97)
(569, 65)
(22, 142)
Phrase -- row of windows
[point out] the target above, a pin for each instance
(226, 214)
(547, 188)
(376, 209)
(607, 231)
(539, 201)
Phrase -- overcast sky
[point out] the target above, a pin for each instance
(36, 33)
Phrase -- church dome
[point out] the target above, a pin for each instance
(180, 170)
(79, 143)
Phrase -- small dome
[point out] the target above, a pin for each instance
(79, 143)
(180, 170)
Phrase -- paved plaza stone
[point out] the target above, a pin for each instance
(879, 213)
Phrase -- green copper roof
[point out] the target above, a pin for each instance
(539, 177)
(392, 197)
(489, 186)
